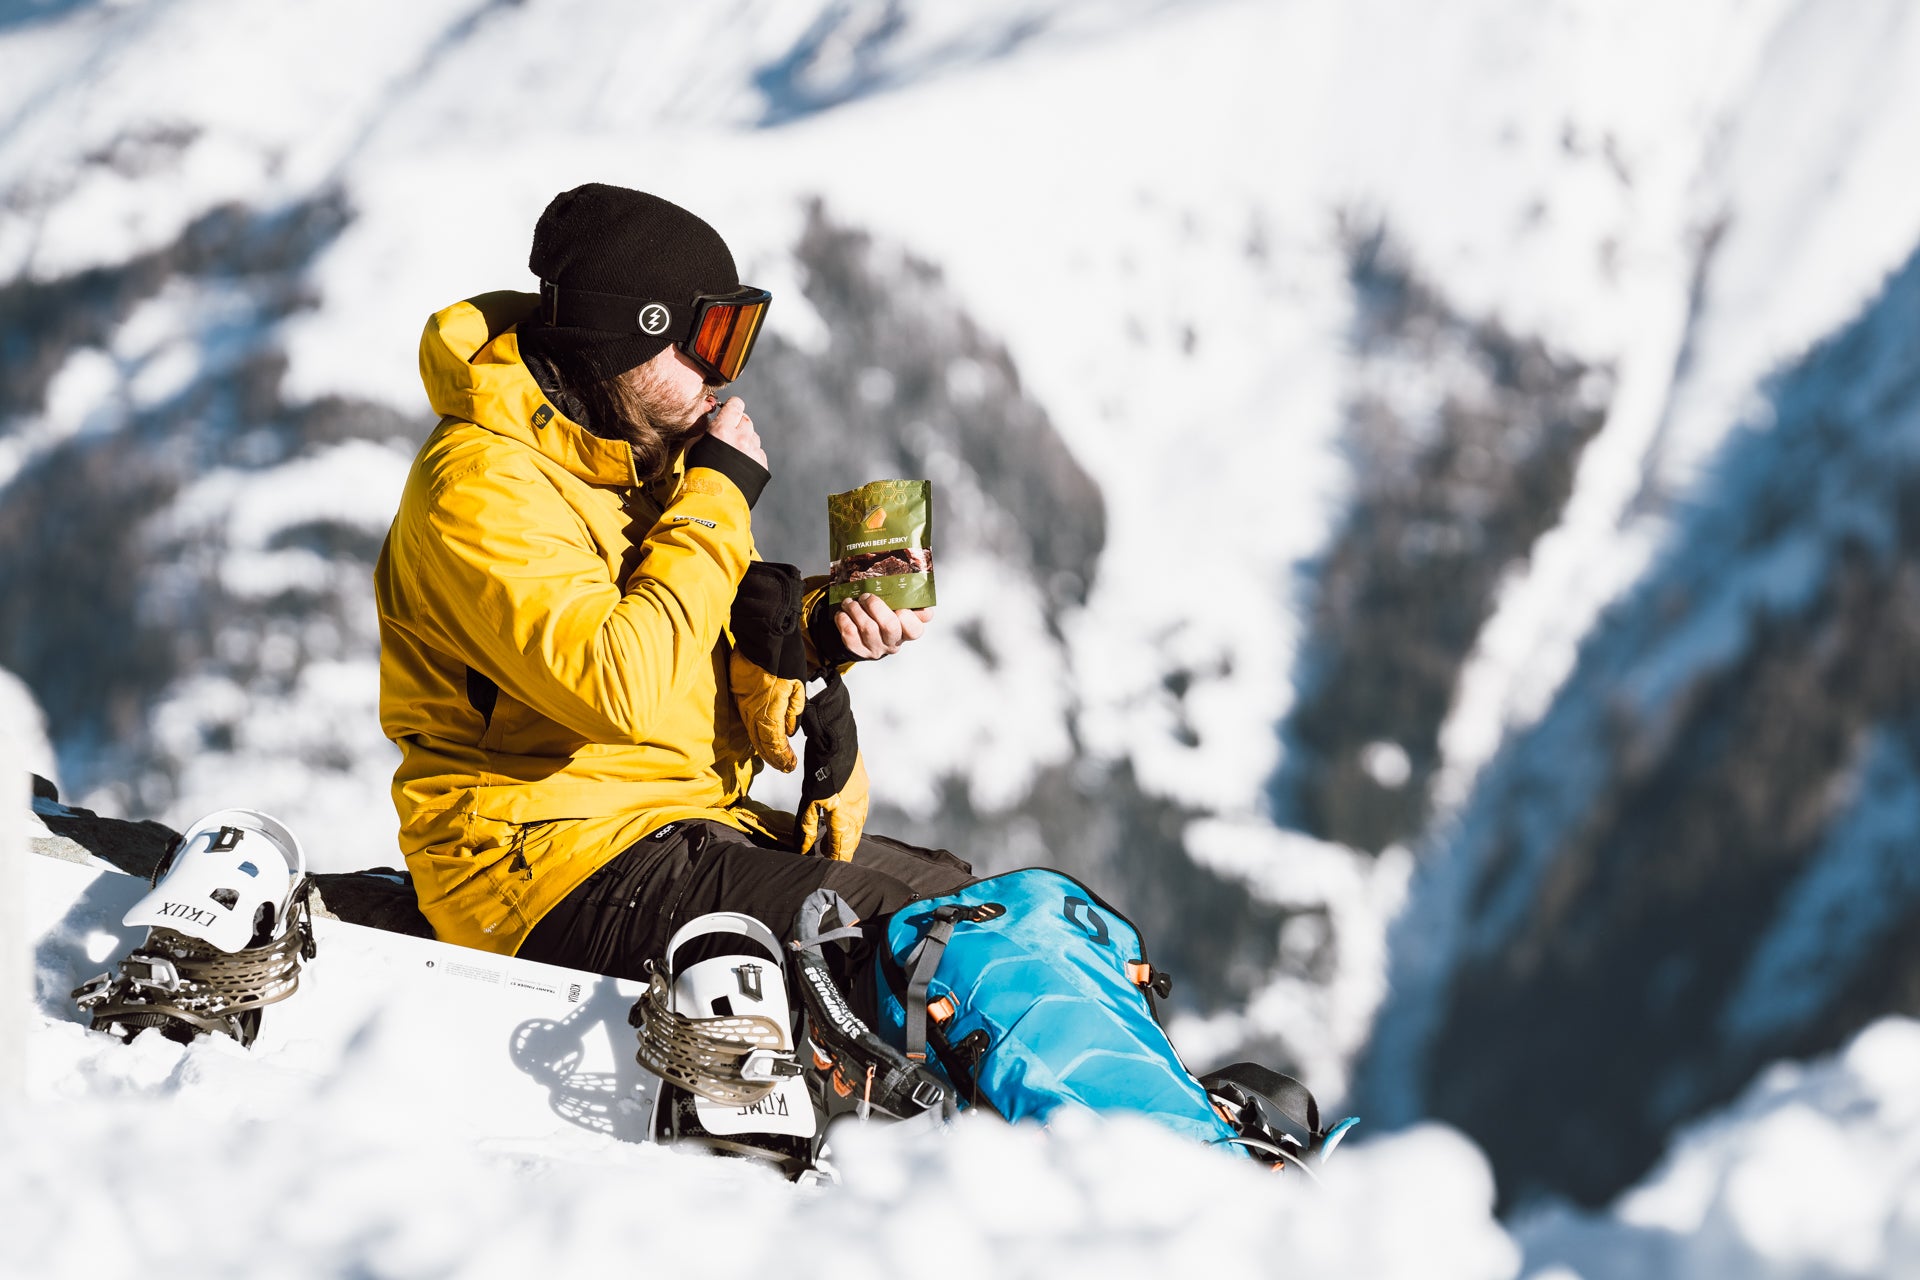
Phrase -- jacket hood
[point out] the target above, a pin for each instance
(471, 367)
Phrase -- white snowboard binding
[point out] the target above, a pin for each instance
(228, 925)
(716, 1026)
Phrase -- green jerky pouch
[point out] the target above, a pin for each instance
(880, 537)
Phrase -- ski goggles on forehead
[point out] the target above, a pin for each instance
(715, 331)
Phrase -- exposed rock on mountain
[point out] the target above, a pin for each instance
(1714, 827)
(1463, 439)
(908, 385)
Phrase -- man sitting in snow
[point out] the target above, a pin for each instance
(584, 664)
(559, 596)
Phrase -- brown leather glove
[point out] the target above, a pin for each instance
(842, 814)
(833, 787)
(770, 708)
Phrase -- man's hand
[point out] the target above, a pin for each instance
(870, 629)
(730, 424)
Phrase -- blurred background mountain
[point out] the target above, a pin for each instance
(1428, 496)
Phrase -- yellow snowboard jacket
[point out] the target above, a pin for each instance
(526, 558)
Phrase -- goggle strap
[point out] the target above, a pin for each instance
(607, 312)
(621, 313)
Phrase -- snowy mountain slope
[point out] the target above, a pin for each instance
(189, 588)
(1714, 825)
(1464, 442)
(1588, 165)
(1768, 183)
(222, 247)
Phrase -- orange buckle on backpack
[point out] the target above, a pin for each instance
(940, 1010)
(1155, 980)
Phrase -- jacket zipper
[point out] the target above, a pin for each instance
(517, 848)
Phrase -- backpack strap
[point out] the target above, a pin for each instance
(926, 959)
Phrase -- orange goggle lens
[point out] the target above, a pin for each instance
(724, 336)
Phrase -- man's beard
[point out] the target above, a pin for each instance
(650, 412)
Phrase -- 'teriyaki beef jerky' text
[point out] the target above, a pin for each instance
(881, 540)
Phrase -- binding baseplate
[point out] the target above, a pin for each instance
(185, 986)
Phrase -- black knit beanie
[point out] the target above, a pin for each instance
(609, 240)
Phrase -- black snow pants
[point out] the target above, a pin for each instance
(624, 913)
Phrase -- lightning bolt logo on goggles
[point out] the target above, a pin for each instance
(716, 331)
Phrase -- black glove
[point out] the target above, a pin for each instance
(766, 619)
(829, 649)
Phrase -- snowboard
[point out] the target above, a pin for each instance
(549, 1047)
(554, 1045)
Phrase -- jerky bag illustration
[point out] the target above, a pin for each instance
(881, 539)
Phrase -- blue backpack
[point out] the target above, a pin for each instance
(1028, 993)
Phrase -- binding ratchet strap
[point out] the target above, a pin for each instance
(175, 978)
(735, 1061)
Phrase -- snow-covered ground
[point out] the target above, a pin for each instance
(1816, 1172)
(395, 1119)
(396, 1122)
